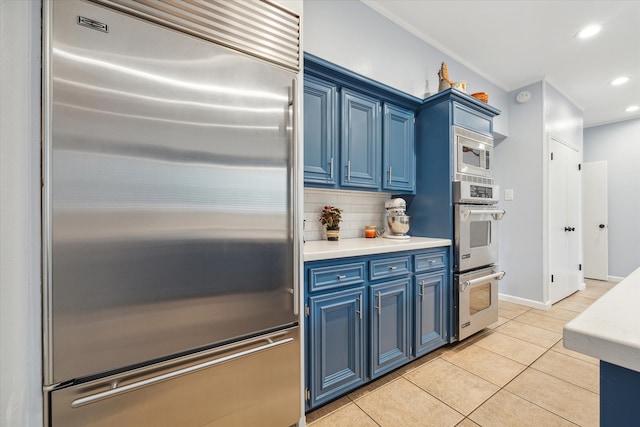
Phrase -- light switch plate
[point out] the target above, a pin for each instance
(508, 194)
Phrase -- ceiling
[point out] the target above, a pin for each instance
(515, 43)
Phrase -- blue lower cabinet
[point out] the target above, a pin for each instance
(430, 316)
(336, 348)
(366, 316)
(389, 325)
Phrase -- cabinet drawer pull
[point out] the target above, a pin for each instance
(393, 267)
(432, 261)
(341, 276)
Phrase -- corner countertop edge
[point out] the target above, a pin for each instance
(609, 329)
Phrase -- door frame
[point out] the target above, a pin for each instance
(546, 213)
(601, 164)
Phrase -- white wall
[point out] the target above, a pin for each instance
(518, 166)
(354, 36)
(562, 118)
(20, 339)
(619, 145)
(521, 163)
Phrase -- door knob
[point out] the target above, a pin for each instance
(601, 226)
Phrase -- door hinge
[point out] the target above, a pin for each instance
(580, 267)
(579, 166)
(307, 394)
(552, 278)
(551, 156)
(307, 312)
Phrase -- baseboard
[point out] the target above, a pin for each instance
(615, 278)
(523, 301)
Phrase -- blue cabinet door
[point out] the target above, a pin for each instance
(390, 319)
(360, 146)
(398, 150)
(429, 309)
(320, 132)
(336, 332)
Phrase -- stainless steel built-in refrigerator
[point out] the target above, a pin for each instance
(170, 242)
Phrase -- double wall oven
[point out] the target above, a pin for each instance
(476, 218)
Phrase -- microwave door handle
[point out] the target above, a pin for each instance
(468, 283)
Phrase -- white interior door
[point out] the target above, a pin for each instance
(595, 219)
(564, 220)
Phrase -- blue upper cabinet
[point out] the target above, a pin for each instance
(344, 121)
(361, 142)
(398, 150)
(320, 132)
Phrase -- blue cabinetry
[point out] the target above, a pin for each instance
(369, 315)
(336, 354)
(389, 328)
(360, 143)
(398, 149)
(349, 140)
(320, 128)
(430, 322)
(431, 209)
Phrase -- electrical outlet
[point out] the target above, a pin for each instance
(508, 194)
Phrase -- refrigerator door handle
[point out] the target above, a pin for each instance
(115, 390)
(293, 119)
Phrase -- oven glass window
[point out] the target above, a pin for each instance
(480, 298)
(480, 234)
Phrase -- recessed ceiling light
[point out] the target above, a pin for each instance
(632, 108)
(589, 31)
(619, 81)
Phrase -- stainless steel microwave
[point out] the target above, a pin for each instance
(473, 153)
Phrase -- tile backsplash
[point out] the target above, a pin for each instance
(359, 208)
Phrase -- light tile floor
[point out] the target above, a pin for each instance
(514, 373)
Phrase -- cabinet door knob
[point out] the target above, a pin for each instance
(601, 226)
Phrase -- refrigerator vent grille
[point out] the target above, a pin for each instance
(255, 27)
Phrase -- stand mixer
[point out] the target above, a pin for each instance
(397, 220)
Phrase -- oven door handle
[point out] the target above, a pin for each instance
(468, 283)
(497, 213)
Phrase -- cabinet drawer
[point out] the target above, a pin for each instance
(389, 267)
(430, 261)
(472, 120)
(333, 276)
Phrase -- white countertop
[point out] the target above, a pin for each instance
(610, 328)
(324, 249)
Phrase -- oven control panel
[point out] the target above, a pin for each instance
(469, 192)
